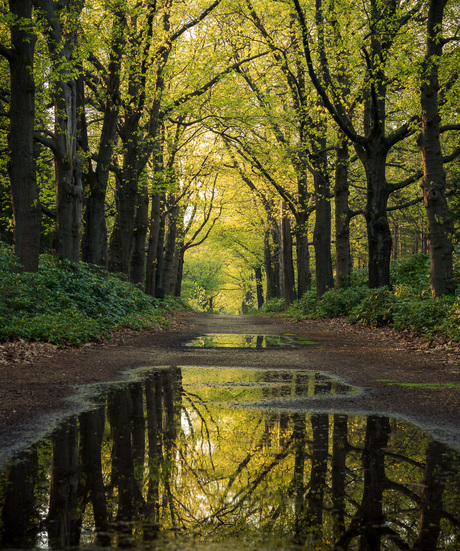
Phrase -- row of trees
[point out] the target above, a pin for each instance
(159, 120)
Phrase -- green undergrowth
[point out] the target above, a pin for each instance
(65, 302)
(407, 305)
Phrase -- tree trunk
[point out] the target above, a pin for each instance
(271, 281)
(21, 166)
(94, 243)
(378, 229)
(342, 217)
(259, 288)
(170, 248)
(440, 224)
(137, 263)
(154, 239)
(303, 253)
(322, 231)
(121, 239)
(286, 259)
(67, 162)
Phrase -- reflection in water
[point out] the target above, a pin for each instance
(233, 340)
(167, 459)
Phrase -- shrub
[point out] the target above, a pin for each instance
(273, 305)
(414, 271)
(420, 314)
(69, 302)
(304, 307)
(340, 302)
(376, 309)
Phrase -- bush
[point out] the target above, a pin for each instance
(414, 271)
(304, 307)
(273, 305)
(377, 308)
(339, 302)
(69, 302)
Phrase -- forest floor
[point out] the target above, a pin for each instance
(38, 380)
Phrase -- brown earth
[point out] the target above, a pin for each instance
(37, 380)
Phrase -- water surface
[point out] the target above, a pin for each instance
(195, 458)
(237, 340)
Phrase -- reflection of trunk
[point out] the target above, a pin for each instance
(436, 471)
(339, 455)
(129, 494)
(138, 431)
(21, 169)
(314, 517)
(153, 392)
(63, 493)
(373, 521)
(286, 258)
(19, 515)
(91, 482)
(298, 484)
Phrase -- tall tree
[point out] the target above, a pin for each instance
(61, 24)
(105, 82)
(21, 166)
(440, 223)
(385, 20)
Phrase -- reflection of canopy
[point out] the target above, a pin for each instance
(168, 455)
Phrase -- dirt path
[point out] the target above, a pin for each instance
(36, 381)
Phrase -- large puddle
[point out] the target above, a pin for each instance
(237, 340)
(196, 458)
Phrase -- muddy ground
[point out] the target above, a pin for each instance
(38, 381)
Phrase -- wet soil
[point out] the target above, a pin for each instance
(39, 382)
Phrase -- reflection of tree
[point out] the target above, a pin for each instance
(338, 469)
(19, 514)
(91, 485)
(158, 458)
(438, 461)
(62, 514)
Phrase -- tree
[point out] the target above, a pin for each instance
(440, 224)
(384, 23)
(21, 167)
(61, 28)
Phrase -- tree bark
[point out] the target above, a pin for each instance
(21, 166)
(286, 257)
(440, 223)
(137, 262)
(155, 236)
(322, 230)
(67, 162)
(378, 228)
(342, 217)
(170, 248)
(94, 242)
